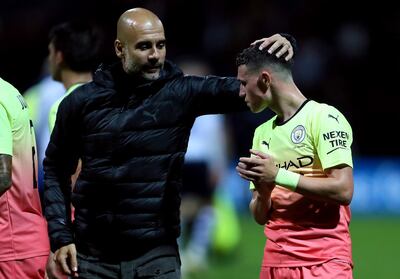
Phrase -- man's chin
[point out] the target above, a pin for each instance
(151, 76)
(257, 109)
(252, 108)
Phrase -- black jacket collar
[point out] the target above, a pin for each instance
(113, 76)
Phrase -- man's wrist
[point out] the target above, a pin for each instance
(287, 179)
(264, 189)
(263, 198)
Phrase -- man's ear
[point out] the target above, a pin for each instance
(264, 81)
(118, 48)
(59, 57)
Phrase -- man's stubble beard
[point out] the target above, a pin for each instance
(133, 69)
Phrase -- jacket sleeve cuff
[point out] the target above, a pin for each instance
(58, 243)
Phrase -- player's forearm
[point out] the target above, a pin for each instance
(260, 207)
(5, 173)
(337, 187)
(5, 183)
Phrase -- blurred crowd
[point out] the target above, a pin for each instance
(343, 50)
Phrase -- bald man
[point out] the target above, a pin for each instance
(130, 126)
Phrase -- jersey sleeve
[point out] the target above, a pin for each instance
(333, 137)
(6, 133)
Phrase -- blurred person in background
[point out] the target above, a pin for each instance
(130, 127)
(40, 97)
(204, 167)
(74, 52)
(24, 243)
(300, 171)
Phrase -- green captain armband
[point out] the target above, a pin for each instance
(287, 179)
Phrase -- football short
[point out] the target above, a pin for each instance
(333, 269)
(32, 268)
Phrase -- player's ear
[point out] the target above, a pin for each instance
(264, 81)
(118, 48)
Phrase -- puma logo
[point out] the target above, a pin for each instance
(151, 115)
(266, 143)
(336, 118)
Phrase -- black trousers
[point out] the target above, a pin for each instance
(162, 262)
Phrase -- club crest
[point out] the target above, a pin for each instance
(298, 134)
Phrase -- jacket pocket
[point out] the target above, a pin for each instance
(164, 267)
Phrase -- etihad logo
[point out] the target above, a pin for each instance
(298, 134)
(300, 162)
(336, 118)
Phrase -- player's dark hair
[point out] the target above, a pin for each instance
(255, 59)
(80, 42)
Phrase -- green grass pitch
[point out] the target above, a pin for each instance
(376, 251)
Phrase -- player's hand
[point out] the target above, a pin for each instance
(260, 168)
(65, 259)
(274, 42)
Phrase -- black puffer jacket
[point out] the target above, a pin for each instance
(131, 137)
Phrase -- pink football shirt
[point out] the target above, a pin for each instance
(23, 229)
(302, 231)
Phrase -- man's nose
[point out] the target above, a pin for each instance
(154, 54)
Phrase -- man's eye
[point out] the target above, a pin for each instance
(160, 45)
(143, 46)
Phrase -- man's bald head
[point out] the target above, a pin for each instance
(137, 20)
(140, 43)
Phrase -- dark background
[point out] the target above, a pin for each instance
(348, 50)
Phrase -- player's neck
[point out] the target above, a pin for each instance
(69, 78)
(288, 101)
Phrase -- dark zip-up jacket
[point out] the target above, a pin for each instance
(131, 137)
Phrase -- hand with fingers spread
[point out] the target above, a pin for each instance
(274, 42)
(66, 261)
